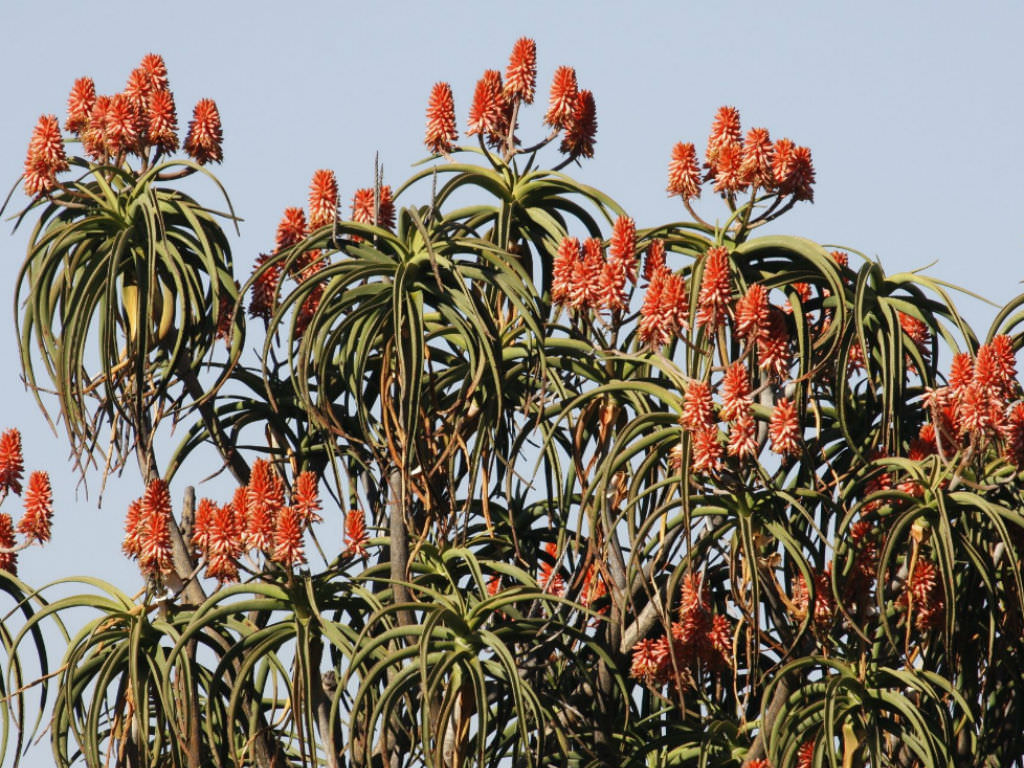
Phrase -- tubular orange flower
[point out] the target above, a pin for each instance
(12, 465)
(729, 176)
(783, 163)
(355, 532)
(204, 139)
(8, 559)
(138, 88)
(132, 544)
(715, 288)
(743, 433)
(288, 549)
(521, 74)
(202, 525)
(45, 157)
(719, 641)
(227, 524)
(655, 258)
(773, 344)
(363, 207)
(735, 390)
(125, 125)
(801, 180)
(35, 523)
(264, 290)
(824, 601)
(961, 371)
(1004, 362)
(805, 755)
(756, 167)
(784, 428)
(563, 268)
(306, 498)
(486, 114)
(622, 246)
(578, 140)
(162, 121)
(80, 103)
(761, 762)
(841, 258)
(594, 588)
(264, 499)
(645, 661)
(724, 131)
(291, 229)
(707, 450)
(441, 131)
(155, 514)
(94, 137)
(323, 199)
(684, 172)
(584, 290)
(698, 408)
(562, 100)
(153, 65)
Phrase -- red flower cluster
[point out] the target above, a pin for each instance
(323, 199)
(700, 639)
(922, 596)
(355, 532)
(666, 308)
(975, 405)
(139, 118)
(368, 209)
(441, 131)
(583, 279)
(148, 529)
(550, 579)
(735, 165)
(12, 464)
(45, 158)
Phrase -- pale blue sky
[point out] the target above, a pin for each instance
(913, 111)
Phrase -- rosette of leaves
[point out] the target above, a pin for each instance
(123, 287)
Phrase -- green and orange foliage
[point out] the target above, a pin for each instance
(605, 491)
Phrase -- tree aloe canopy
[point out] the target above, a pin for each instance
(613, 492)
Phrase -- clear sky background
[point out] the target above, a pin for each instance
(913, 111)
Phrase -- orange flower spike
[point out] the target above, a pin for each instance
(564, 268)
(226, 528)
(622, 246)
(45, 157)
(486, 114)
(684, 172)
(94, 137)
(441, 131)
(801, 181)
(743, 434)
(205, 136)
(756, 167)
(707, 450)
(153, 65)
(306, 498)
(725, 131)
(8, 558)
(783, 163)
(155, 550)
(35, 523)
(125, 125)
(654, 260)
(205, 511)
(729, 177)
(735, 390)
(784, 428)
(291, 229)
(562, 100)
(162, 122)
(386, 210)
(580, 133)
(805, 755)
(355, 532)
(265, 288)
(138, 88)
(133, 530)
(550, 580)
(80, 104)
(698, 407)
(288, 548)
(715, 288)
(12, 465)
(961, 372)
(323, 199)
(521, 74)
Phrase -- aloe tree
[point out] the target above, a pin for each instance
(612, 494)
